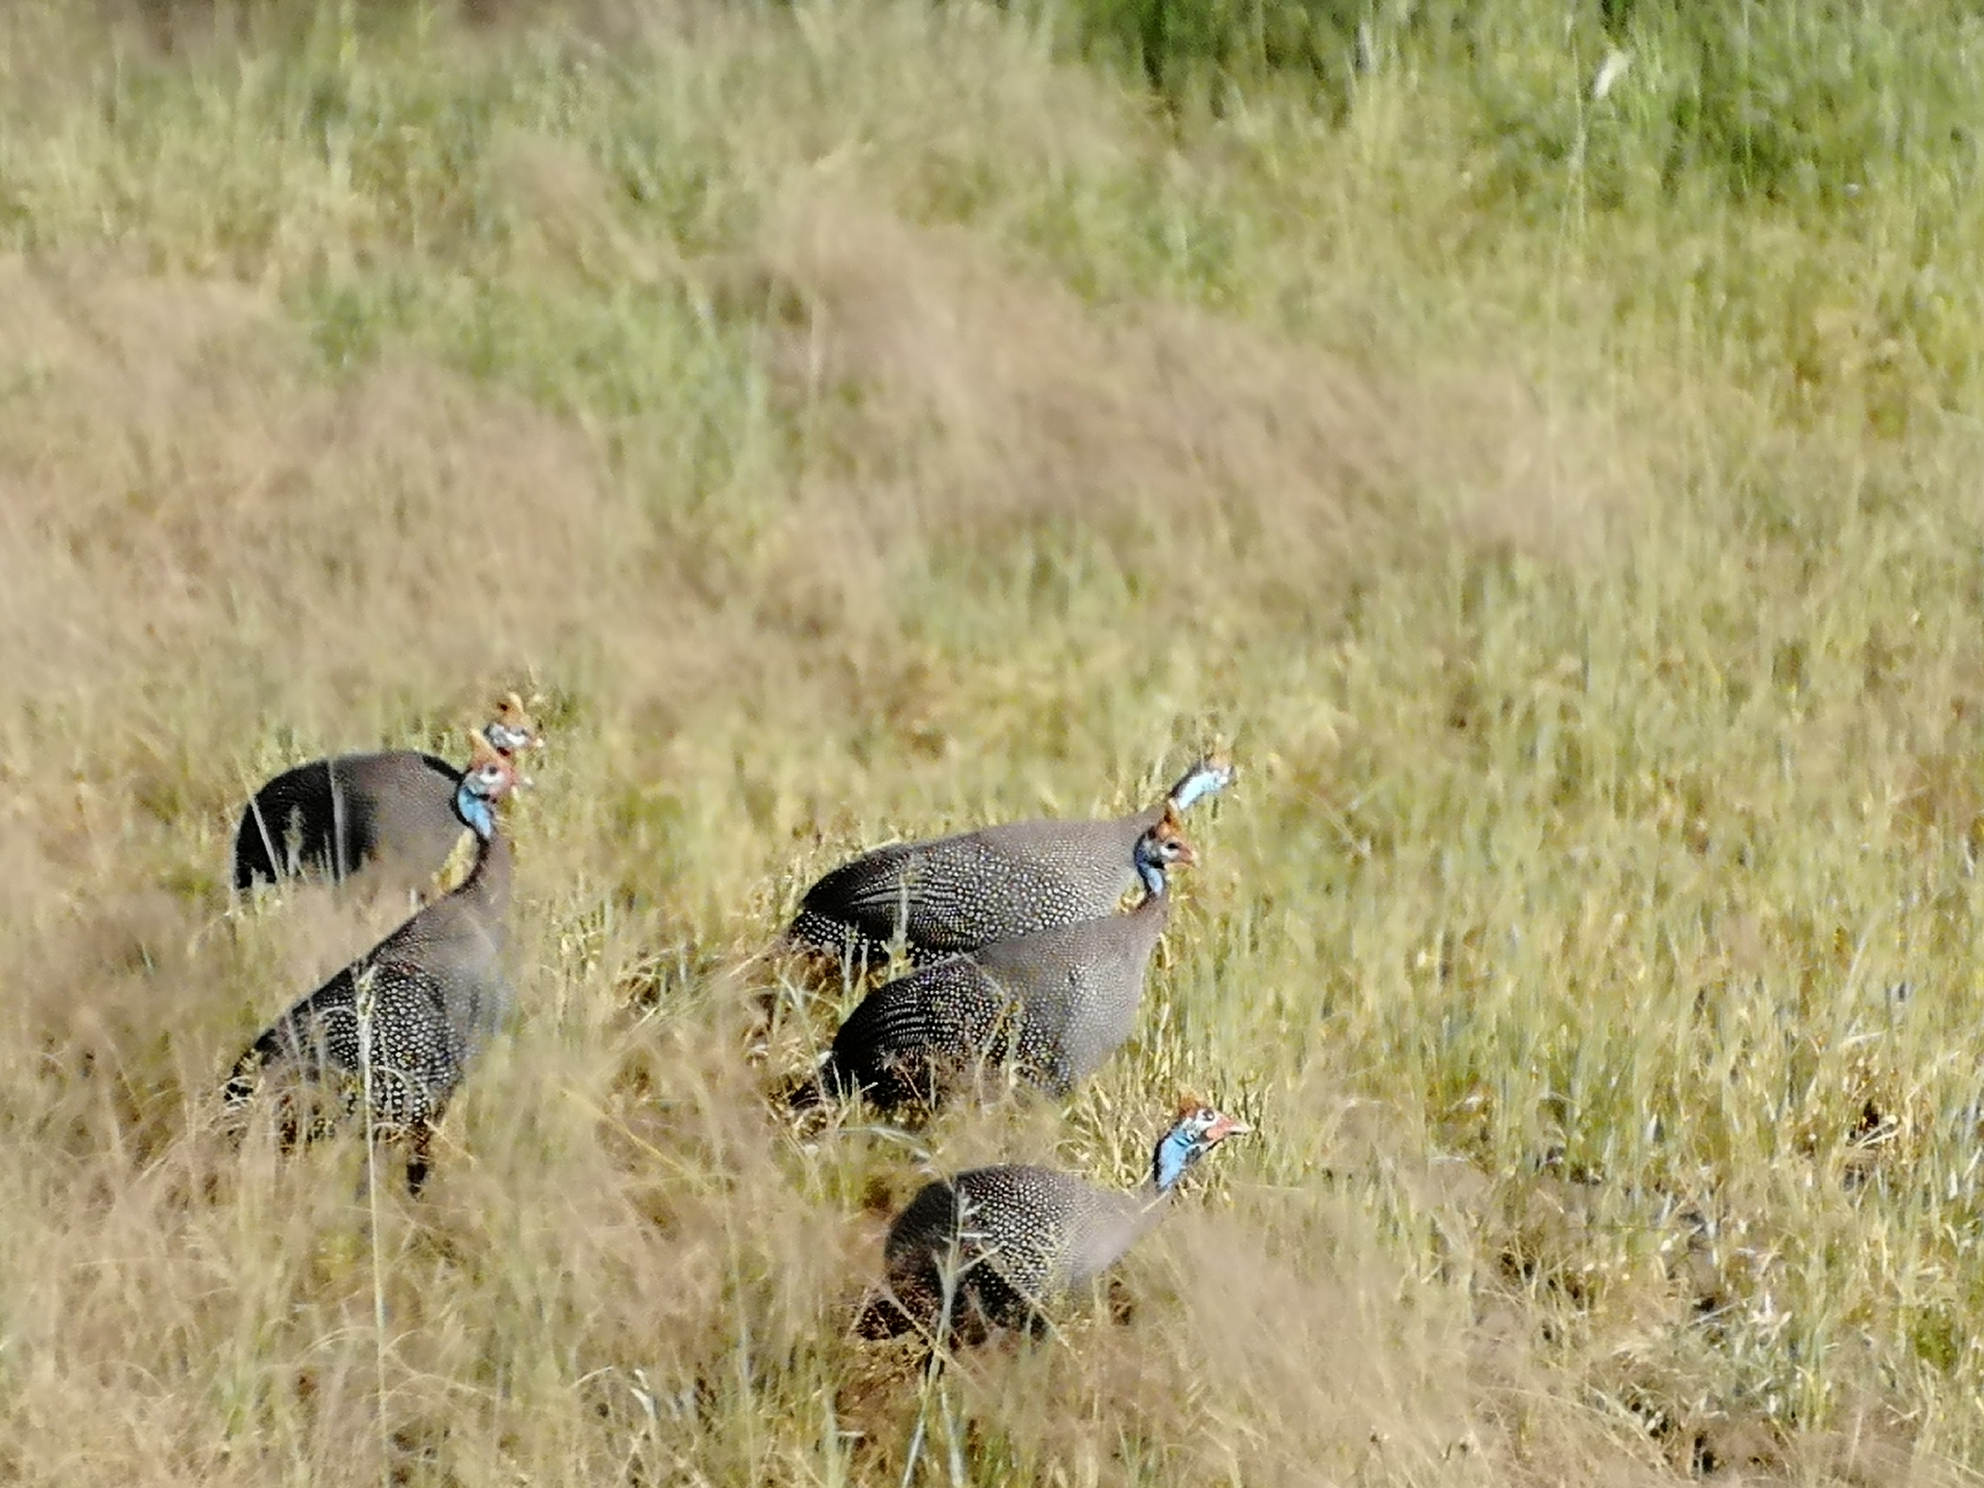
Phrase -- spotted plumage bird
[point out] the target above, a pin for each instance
(993, 1246)
(958, 893)
(393, 809)
(1055, 1004)
(399, 1024)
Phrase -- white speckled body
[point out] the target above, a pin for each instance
(958, 893)
(1010, 1239)
(1056, 1004)
(437, 991)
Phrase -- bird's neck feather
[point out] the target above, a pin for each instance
(488, 880)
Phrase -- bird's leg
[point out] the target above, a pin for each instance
(419, 1158)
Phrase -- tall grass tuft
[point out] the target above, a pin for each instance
(870, 419)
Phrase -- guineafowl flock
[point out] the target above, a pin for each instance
(1021, 963)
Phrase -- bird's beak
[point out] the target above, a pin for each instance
(1226, 1127)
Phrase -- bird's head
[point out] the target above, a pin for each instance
(1198, 1129)
(512, 730)
(1161, 849)
(491, 775)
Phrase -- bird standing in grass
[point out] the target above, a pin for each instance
(1055, 1003)
(989, 1248)
(396, 1027)
(331, 817)
(959, 893)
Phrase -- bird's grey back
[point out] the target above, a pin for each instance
(1080, 986)
(1054, 1004)
(332, 817)
(460, 940)
(440, 975)
(1020, 1235)
(961, 892)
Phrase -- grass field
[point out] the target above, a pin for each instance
(862, 419)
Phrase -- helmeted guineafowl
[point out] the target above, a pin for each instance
(395, 807)
(958, 893)
(402, 1021)
(1055, 1003)
(991, 1246)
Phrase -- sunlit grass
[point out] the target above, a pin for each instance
(856, 421)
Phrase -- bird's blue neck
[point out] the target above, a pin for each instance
(474, 809)
(1175, 1153)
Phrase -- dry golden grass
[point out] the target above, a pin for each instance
(852, 422)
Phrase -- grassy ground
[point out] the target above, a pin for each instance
(863, 419)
